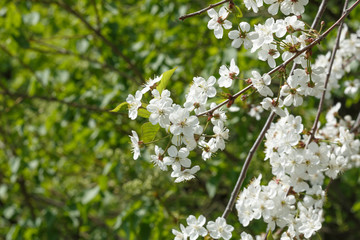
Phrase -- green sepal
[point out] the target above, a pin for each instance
(269, 236)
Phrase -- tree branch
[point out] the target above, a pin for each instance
(299, 52)
(182, 18)
(332, 58)
(242, 175)
(319, 14)
(244, 169)
(3, 47)
(224, 102)
(54, 99)
(356, 124)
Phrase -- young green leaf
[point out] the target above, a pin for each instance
(149, 131)
(165, 79)
(238, 13)
(119, 107)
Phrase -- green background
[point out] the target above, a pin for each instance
(66, 170)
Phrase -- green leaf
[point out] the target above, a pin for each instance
(356, 207)
(90, 195)
(149, 131)
(119, 107)
(238, 12)
(142, 112)
(165, 79)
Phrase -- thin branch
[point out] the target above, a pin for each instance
(99, 34)
(319, 14)
(224, 102)
(3, 47)
(81, 57)
(54, 99)
(317, 19)
(98, 22)
(244, 169)
(182, 18)
(242, 175)
(332, 58)
(27, 197)
(356, 124)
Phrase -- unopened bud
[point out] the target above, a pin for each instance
(322, 23)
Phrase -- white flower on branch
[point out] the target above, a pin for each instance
(220, 229)
(261, 83)
(134, 104)
(227, 75)
(218, 21)
(243, 35)
(253, 4)
(269, 53)
(135, 147)
(196, 225)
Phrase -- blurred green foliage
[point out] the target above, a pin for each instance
(66, 170)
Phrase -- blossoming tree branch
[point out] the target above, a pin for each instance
(291, 204)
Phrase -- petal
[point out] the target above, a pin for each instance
(212, 24)
(247, 44)
(223, 13)
(212, 13)
(234, 34)
(271, 62)
(237, 43)
(274, 9)
(211, 81)
(244, 26)
(227, 24)
(172, 151)
(185, 162)
(218, 31)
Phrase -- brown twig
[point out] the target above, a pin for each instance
(244, 169)
(3, 47)
(27, 197)
(182, 18)
(224, 102)
(98, 22)
(319, 14)
(54, 99)
(332, 58)
(356, 124)
(81, 57)
(316, 21)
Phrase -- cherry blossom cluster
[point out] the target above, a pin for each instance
(348, 53)
(216, 230)
(293, 200)
(182, 124)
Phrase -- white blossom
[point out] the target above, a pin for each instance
(220, 229)
(218, 21)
